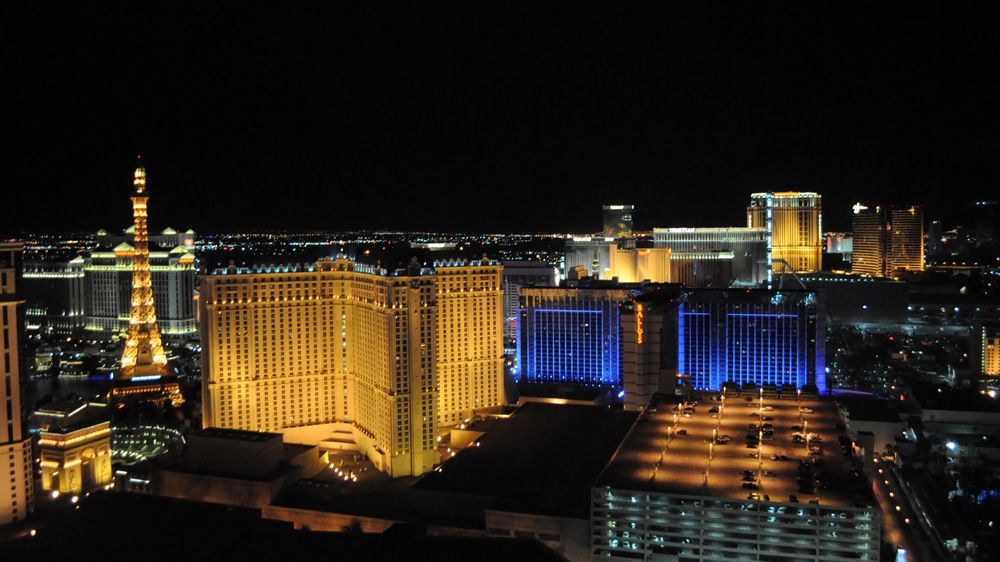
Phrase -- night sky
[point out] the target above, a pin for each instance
(490, 116)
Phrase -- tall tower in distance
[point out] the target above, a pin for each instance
(143, 374)
(618, 220)
(888, 240)
(794, 223)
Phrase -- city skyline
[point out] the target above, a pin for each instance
(482, 119)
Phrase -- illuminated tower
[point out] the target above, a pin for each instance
(618, 220)
(794, 223)
(887, 240)
(142, 377)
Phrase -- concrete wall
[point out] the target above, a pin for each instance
(568, 537)
(324, 521)
(216, 489)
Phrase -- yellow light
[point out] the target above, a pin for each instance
(638, 323)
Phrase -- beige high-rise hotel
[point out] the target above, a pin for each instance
(794, 224)
(385, 357)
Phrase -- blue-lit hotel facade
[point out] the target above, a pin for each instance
(747, 337)
(751, 336)
(570, 335)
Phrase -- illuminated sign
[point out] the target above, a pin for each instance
(638, 323)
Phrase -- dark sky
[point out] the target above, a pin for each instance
(490, 116)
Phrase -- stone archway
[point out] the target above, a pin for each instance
(88, 469)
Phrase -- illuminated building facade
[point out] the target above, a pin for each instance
(143, 375)
(594, 254)
(984, 353)
(517, 274)
(56, 295)
(388, 355)
(748, 247)
(752, 336)
(571, 335)
(618, 220)
(17, 498)
(75, 446)
(793, 221)
(991, 353)
(590, 336)
(634, 265)
(887, 240)
(702, 269)
(108, 277)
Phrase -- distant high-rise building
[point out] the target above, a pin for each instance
(794, 222)
(984, 353)
(593, 254)
(748, 247)
(634, 265)
(17, 499)
(887, 240)
(381, 357)
(702, 269)
(985, 215)
(143, 374)
(618, 220)
(991, 353)
(934, 242)
(517, 274)
(55, 291)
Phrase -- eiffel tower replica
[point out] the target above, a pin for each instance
(143, 376)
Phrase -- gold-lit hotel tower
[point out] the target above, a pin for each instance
(143, 374)
(339, 351)
(794, 222)
(888, 240)
(17, 483)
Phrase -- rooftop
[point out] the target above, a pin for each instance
(542, 460)
(66, 416)
(687, 448)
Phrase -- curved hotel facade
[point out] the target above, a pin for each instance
(794, 224)
(386, 356)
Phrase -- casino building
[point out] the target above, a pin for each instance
(794, 224)
(385, 357)
(644, 338)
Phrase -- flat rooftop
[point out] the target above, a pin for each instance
(543, 459)
(726, 454)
